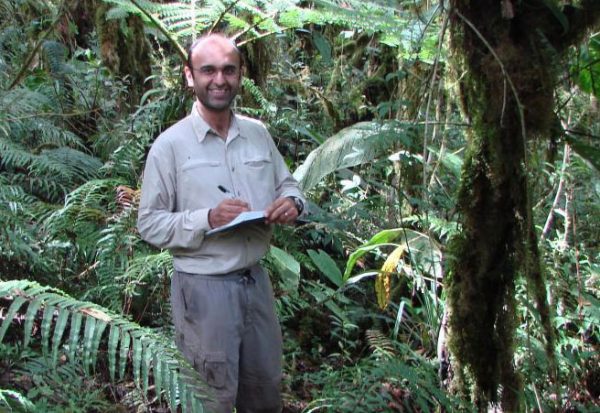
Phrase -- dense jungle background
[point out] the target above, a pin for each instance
(451, 154)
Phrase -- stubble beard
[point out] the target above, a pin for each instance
(212, 104)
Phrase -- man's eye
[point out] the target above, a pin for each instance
(229, 70)
(207, 70)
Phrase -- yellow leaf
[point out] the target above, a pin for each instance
(96, 314)
(383, 282)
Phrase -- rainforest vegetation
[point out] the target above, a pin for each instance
(450, 152)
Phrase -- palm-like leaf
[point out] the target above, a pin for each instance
(351, 146)
(127, 345)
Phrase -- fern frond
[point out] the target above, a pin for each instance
(380, 344)
(12, 401)
(148, 349)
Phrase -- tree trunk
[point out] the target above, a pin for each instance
(506, 55)
(123, 45)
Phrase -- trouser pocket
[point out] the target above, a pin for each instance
(213, 368)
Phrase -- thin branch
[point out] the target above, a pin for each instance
(254, 26)
(430, 97)
(559, 192)
(35, 49)
(222, 16)
(180, 50)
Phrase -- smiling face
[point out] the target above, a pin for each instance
(215, 74)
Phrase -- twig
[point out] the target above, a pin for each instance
(35, 49)
(222, 16)
(559, 192)
(180, 50)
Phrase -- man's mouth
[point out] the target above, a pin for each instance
(218, 92)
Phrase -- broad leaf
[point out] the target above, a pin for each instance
(288, 268)
(327, 266)
(355, 145)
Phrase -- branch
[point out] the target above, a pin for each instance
(180, 50)
(559, 192)
(222, 16)
(35, 49)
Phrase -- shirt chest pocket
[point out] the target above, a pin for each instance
(257, 163)
(198, 179)
(259, 176)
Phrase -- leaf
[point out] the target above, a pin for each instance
(46, 324)
(113, 342)
(124, 351)
(88, 338)
(322, 46)
(29, 318)
(10, 315)
(587, 69)
(450, 161)
(183, 394)
(158, 379)
(99, 330)
(76, 320)
(587, 152)
(59, 329)
(174, 389)
(327, 266)
(383, 281)
(137, 358)
(146, 360)
(94, 312)
(351, 146)
(287, 267)
(379, 239)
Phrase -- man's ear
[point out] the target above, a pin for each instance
(189, 75)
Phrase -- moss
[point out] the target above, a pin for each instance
(493, 200)
(125, 50)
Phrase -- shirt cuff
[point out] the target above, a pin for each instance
(197, 220)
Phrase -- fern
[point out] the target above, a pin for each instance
(181, 21)
(151, 355)
(12, 401)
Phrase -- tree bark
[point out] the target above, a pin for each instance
(505, 54)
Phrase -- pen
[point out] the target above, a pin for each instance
(225, 190)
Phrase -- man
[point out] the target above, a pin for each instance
(200, 174)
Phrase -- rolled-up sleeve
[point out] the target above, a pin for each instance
(158, 221)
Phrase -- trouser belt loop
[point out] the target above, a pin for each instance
(246, 277)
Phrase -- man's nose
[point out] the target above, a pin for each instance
(219, 77)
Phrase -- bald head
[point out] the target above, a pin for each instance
(214, 39)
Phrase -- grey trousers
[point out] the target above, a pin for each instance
(226, 326)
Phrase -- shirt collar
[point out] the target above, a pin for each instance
(202, 129)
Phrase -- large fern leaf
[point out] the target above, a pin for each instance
(143, 351)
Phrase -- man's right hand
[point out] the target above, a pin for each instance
(226, 211)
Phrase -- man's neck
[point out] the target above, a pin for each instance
(218, 121)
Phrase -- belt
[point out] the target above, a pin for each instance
(243, 275)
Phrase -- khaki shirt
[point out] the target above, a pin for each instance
(185, 166)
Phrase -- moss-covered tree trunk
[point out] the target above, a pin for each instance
(505, 54)
(123, 44)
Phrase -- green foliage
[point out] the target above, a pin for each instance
(12, 401)
(391, 378)
(151, 355)
(359, 99)
(587, 67)
(352, 146)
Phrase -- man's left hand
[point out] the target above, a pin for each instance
(281, 211)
